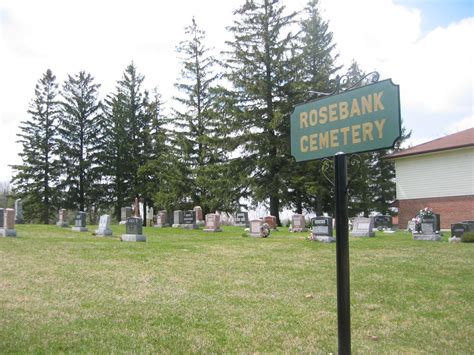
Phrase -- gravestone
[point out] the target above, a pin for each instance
(104, 226)
(80, 222)
(7, 226)
(383, 222)
(213, 223)
(178, 219)
(321, 229)
(161, 219)
(363, 227)
(298, 223)
(199, 216)
(271, 221)
(428, 229)
(411, 226)
(133, 230)
(256, 228)
(189, 220)
(170, 218)
(63, 218)
(125, 213)
(458, 229)
(18, 212)
(470, 225)
(242, 219)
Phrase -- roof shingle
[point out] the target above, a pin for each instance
(453, 141)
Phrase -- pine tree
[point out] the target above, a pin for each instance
(314, 68)
(81, 132)
(128, 124)
(36, 179)
(199, 125)
(260, 71)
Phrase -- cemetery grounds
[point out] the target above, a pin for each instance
(189, 291)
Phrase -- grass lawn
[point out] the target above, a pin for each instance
(191, 291)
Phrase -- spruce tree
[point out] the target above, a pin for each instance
(36, 179)
(315, 66)
(199, 125)
(259, 69)
(81, 141)
(127, 123)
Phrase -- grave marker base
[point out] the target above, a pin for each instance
(133, 238)
(324, 239)
(103, 232)
(79, 229)
(7, 232)
(212, 230)
(362, 234)
(421, 236)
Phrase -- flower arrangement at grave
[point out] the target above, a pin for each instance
(425, 212)
(264, 230)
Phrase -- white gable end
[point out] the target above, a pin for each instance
(438, 174)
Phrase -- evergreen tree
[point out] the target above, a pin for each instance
(260, 70)
(199, 126)
(36, 179)
(81, 131)
(128, 130)
(314, 68)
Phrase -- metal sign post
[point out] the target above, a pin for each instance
(342, 255)
(357, 120)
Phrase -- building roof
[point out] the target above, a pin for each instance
(453, 141)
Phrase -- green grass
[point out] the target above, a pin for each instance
(190, 291)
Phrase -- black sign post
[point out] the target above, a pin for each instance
(360, 119)
(342, 255)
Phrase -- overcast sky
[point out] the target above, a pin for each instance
(424, 46)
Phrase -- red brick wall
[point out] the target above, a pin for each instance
(452, 209)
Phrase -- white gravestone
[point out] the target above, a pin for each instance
(363, 227)
(255, 227)
(104, 226)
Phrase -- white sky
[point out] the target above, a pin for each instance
(433, 66)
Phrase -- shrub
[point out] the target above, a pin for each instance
(468, 237)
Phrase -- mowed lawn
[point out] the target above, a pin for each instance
(191, 291)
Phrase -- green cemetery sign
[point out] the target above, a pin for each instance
(359, 120)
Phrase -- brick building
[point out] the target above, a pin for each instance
(437, 174)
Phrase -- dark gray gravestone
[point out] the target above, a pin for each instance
(80, 222)
(2, 217)
(428, 224)
(170, 218)
(470, 225)
(428, 229)
(458, 229)
(321, 229)
(381, 222)
(189, 220)
(242, 219)
(133, 230)
(189, 217)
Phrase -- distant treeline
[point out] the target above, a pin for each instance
(225, 140)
